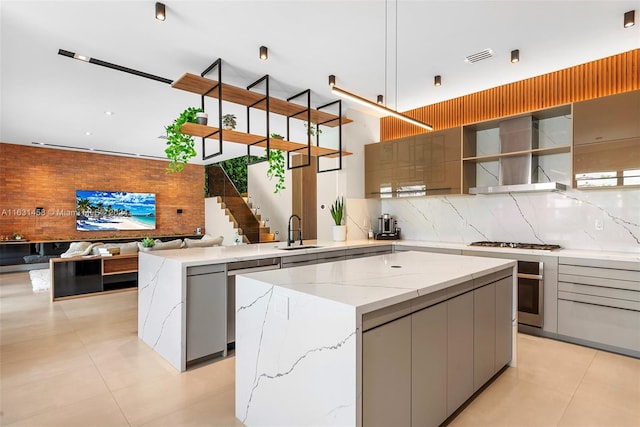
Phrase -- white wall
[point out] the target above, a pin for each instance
(349, 182)
(275, 207)
(216, 222)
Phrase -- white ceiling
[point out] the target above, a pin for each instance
(49, 98)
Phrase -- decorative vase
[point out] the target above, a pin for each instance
(202, 118)
(339, 233)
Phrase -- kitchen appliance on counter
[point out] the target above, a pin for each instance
(530, 282)
(388, 228)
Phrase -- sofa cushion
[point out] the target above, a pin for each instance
(125, 248)
(171, 244)
(205, 242)
(78, 249)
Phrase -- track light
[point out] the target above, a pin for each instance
(630, 19)
(515, 56)
(332, 80)
(437, 80)
(379, 108)
(264, 53)
(160, 11)
(380, 100)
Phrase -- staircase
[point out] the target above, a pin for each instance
(240, 212)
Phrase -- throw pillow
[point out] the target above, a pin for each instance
(205, 242)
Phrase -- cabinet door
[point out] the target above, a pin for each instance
(504, 322)
(429, 366)
(484, 334)
(206, 315)
(459, 351)
(386, 374)
(608, 118)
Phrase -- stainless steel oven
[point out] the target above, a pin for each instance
(531, 293)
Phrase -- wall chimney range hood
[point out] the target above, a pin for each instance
(518, 172)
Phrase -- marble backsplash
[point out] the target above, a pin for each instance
(607, 220)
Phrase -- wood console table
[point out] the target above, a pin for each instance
(82, 276)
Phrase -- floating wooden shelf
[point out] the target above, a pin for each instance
(204, 86)
(535, 152)
(203, 131)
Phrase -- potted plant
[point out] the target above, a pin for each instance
(229, 122)
(276, 136)
(337, 213)
(180, 147)
(276, 168)
(17, 236)
(312, 129)
(148, 243)
(202, 118)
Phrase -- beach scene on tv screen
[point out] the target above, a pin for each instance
(113, 211)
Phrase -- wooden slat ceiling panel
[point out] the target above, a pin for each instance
(607, 76)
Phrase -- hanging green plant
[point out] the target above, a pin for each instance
(180, 147)
(276, 168)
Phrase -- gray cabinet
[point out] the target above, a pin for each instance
(406, 248)
(338, 255)
(459, 351)
(368, 251)
(599, 304)
(484, 334)
(206, 311)
(504, 322)
(386, 375)
(429, 367)
(453, 347)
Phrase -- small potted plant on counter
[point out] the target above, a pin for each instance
(148, 243)
(337, 213)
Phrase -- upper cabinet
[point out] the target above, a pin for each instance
(420, 165)
(606, 138)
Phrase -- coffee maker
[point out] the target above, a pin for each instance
(387, 228)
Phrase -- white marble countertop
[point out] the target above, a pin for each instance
(223, 254)
(379, 281)
(575, 253)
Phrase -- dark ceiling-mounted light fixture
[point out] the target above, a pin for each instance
(117, 67)
(264, 53)
(630, 19)
(380, 108)
(161, 14)
(515, 56)
(437, 80)
(380, 100)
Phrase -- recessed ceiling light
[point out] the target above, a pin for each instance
(109, 113)
(88, 133)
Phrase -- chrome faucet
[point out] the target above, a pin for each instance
(290, 230)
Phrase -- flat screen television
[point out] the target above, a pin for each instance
(115, 211)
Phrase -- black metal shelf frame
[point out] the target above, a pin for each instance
(216, 64)
(318, 170)
(264, 79)
(306, 110)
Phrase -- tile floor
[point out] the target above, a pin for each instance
(79, 363)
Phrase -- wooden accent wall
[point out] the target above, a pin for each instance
(43, 177)
(304, 196)
(607, 76)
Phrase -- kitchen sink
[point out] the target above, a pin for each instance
(294, 248)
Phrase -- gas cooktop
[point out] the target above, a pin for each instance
(538, 246)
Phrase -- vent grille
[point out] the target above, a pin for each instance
(479, 56)
(163, 137)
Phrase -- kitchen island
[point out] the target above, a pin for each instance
(396, 339)
(184, 294)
